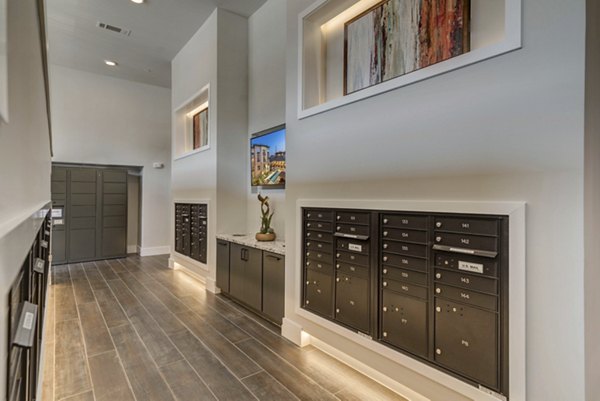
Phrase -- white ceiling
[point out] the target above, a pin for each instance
(159, 28)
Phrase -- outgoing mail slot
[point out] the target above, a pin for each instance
(318, 215)
(471, 264)
(351, 229)
(466, 341)
(407, 262)
(404, 322)
(319, 236)
(352, 302)
(352, 258)
(489, 244)
(468, 281)
(319, 246)
(318, 293)
(405, 235)
(352, 269)
(319, 266)
(352, 218)
(405, 288)
(467, 225)
(405, 248)
(318, 225)
(353, 245)
(467, 296)
(404, 221)
(404, 275)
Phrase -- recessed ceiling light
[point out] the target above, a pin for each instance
(110, 63)
(138, 1)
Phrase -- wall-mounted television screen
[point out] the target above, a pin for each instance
(267, 156)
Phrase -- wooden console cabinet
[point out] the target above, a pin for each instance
(253, 277)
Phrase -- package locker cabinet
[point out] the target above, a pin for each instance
(25, 315)
(223, 265)
(431, 285)
(90, 213)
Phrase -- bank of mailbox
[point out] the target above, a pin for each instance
(429, 285)
(190, 230)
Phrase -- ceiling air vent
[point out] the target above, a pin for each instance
(112, 28)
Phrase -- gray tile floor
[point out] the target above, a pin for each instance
(132, 329)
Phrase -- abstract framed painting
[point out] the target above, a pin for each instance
(397, 37)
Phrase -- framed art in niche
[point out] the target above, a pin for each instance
(200, 129)
(396, 37)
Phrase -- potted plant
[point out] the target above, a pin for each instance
(266, 232)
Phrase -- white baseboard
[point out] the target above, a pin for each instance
(132, 249)
(211, 285)
(293, 332)
(155, 250)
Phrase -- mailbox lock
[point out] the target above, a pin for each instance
(337, 310)
(308, 282)
(307, 224)
(307, 253)
(308, 244)
(385, 233)
(385, 221)
(338, 217)
(385, 283)
(385, 246)
(385, 258)
(438, 224)
(308, 234)
(320, 216)
(385, 333)
(385, 308)
(337, 279)
(337, 255)
(438, 239)
(438, 309)
(307, 263)
(438, 351)
(384, 271)
(438, 275)
(438, 290)
(307, 302)
(338, 228)
(308, 215)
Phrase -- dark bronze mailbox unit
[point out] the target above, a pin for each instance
(190, 230)
(434, 286)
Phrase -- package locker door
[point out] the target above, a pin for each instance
(81, 214)
(114, 214)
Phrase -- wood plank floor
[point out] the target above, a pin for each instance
(132, 329)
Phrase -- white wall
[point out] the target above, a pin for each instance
(266, 98)
(509, 128)
(592, 201)
(103, 120)
(24, 154)
(216, 56)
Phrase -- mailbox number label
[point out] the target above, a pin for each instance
(355, 247)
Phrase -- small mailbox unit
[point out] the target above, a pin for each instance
(432, 286)
(190, 230)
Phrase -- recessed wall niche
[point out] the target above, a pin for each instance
(192, 125)
(495, 28)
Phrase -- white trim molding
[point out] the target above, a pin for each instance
(517, 289)
(155, 250)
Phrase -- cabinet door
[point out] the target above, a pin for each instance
(352, 301)
(223, 265)
(466, 341)
(253, 278)
(404, 322)
(273, 285)
(318, 293)
(237, 269)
